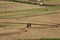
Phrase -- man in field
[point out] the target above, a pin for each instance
(28, 25)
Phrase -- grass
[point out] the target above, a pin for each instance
(31, 12)
(16, 26)
(26, 13)
(53, 1)
(41, 39)
(50, 39)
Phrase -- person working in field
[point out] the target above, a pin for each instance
(28, 25)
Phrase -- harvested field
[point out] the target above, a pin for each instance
(34, 33)
(45, 21)
(37, 31)
(13, 6)
(48, 18)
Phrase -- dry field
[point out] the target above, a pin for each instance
(15, 29)
(36, 31)
(13, 6)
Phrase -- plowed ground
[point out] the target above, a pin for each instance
(36, 31)
(19, 31)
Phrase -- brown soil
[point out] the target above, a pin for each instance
(13, 6)
(37, 31)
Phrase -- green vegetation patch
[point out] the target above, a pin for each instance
(50, 39)
(40, 39)
(26, 13)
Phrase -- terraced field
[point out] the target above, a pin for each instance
(36, 31)
(13, 6)
(45, 21)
